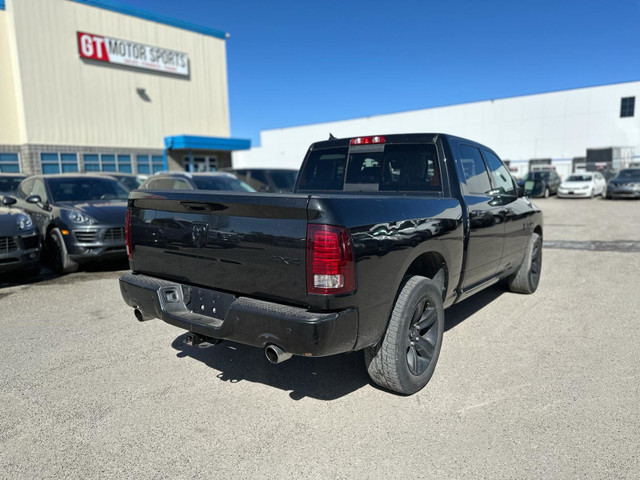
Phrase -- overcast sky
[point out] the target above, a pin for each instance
(299, 62)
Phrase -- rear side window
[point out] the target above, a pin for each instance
(324, 170)
(475, 172)
(394, 168)
(411, 168)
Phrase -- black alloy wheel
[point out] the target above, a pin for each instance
(423, 336)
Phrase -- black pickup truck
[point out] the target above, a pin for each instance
(379, 236)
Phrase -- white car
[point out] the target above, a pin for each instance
(585, 184)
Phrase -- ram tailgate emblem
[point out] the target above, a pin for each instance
(199, 234)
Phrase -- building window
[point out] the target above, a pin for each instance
(9, 163)
(107, 163)
(627, 106)
(148, 164)
(59, 162)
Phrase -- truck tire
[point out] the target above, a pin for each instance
(58, 256)
(405, 358)
(526, 279)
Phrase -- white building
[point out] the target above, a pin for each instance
(556, 128)
(92, 85)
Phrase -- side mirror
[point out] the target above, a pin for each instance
(34, 199)
(520, 191)
(7, 201)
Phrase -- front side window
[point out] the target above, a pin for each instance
(500, 176)
(475, 172)
(24, 190)
(39, 189)
(627, 106)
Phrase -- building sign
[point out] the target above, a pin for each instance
(132, 54)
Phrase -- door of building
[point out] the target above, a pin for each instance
(200, 163)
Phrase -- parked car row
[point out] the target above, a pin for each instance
(544, 183)
(65, 220)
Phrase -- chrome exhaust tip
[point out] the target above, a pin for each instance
(275, 354)
(140, 316)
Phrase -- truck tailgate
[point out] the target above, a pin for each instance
(248, 244)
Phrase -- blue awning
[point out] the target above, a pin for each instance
(191, 142)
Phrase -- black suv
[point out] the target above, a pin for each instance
(541, 183)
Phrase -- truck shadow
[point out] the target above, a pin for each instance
(325, 378)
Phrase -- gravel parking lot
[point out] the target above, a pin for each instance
(541, 386)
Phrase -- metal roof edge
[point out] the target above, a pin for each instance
(194, 142)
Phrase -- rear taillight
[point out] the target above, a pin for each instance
(368, 140)
(330, 267)
(127, 233)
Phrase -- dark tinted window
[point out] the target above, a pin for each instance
(221, 182)
(10, 184)
(475, 172)
(500, 176)
(324, 170)
(537, 176)
(629, 173)
(85, 189)
(410, 168)
(395, 168)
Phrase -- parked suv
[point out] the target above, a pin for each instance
(80, 217)
(626, 184)
(541, 183)
(19, 241)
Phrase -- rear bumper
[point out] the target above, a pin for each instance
(241, 319)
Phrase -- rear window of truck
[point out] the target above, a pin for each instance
(394, 168)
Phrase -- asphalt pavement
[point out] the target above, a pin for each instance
(541, 386)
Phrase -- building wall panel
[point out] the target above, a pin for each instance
(10, 132)
(558, 125)
(72, 101)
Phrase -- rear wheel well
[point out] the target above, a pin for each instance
(433, 266)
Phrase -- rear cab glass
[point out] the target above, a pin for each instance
(395, 167)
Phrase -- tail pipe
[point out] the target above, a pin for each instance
(141, 316)
(275, 354)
